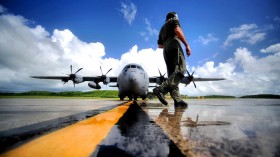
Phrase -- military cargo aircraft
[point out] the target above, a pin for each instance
(133, 81)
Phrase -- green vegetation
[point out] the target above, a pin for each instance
(93, 94)
(264, 96)
(219, 96)
(209, 97)
(114, 94)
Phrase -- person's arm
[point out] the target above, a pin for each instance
(160, 46)
(179, 33)
(160, 42)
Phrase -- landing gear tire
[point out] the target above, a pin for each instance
(121, 98)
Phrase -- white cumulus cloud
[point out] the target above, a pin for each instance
(272, 48)
(34, 51)
(26, 51)
(129, 11)
(2, 9)
(149, 32)
(206, 40)
(248, 33)
(29, 51)
(255, 76)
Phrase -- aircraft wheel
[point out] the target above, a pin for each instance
(121, 97)
(144, 98)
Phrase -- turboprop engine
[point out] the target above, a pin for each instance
(94, 85)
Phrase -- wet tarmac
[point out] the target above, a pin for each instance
(21, 112)
(234, 127)
(230, 127)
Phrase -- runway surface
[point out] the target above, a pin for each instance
(87, 127)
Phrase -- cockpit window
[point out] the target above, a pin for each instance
(133, 66)
(126, 68)
(139, 67)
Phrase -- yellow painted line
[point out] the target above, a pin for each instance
(79, 139)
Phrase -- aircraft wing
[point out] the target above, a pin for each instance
(159, 79)
(113, 79)
(85, 78)
(186, 80)
(62, 78)
(208, 79)
(99, 78)
(152, 79)
(52, 77)
(93, 80)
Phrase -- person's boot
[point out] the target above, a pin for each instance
(180, 103)
(160, 96)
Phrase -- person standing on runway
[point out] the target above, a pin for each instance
(170, 37)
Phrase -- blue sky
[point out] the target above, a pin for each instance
(217, 31)
(102, 21)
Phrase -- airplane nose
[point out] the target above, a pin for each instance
(132, 78)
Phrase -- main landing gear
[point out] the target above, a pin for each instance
(130, 98)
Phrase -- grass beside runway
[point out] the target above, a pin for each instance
(114, 94)
(55, 97)
(96, 94)
(69, 94)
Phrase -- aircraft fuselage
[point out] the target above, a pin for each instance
(133, 82)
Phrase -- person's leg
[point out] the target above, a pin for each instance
(170, 85)
(175, 94)
(181, 69)
(176, 67)
(163, 89)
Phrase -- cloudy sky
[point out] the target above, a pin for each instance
(238, 40)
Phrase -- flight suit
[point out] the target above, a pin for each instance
(174, 58)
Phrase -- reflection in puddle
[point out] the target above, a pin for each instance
(221, 127)
(136, 135)
(171, 125)
(190, 123)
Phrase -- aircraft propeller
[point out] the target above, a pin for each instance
(104, 77)
(191, 78)
(161, 77)
(72, 76)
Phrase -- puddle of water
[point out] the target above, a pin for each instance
(234, 127)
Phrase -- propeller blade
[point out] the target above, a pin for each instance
(159, 72)
(193, 72)
(71, 68)
(78, 70)
(188, 73)
(194, 84)
(190, 77)
(108, 71)
(101, 70)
